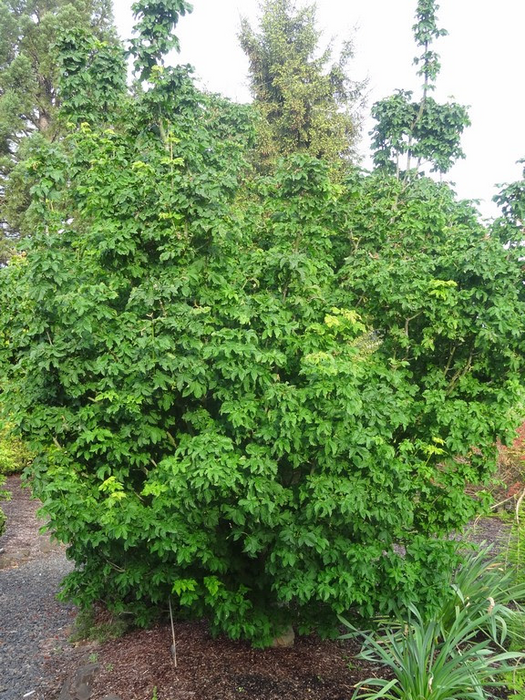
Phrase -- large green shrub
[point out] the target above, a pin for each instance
(261, 397)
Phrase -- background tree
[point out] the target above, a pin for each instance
(306, 103)
(154, 24)
(29, 30)
(409, 133)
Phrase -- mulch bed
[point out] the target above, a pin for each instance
(211, 669)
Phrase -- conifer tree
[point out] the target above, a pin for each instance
(306, 102)
(29, 30)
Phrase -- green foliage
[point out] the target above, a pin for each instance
(483, 583)
(89, 626)
(28, 70)
(14, 455)
(425, 31)
(515, 682)
(304, 104)
(511, 224)
(423, 131)
(458, 649)
(516, 545)
(427, 666)
(155, 22)
(6, 454)
(257, 395)
(29, 95)
(4, 495)
(215, 414)
(426, 132)
(92, 80)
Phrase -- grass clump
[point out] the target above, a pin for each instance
(462, 650)
(95, 624)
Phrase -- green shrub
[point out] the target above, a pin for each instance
(14, 454)
(259, 396)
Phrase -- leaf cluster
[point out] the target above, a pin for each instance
(29, 92)
(155, 21)
(424, 133)
(426, 30)
(14, 455)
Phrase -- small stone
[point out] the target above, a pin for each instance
(285, 640)
(78, 685)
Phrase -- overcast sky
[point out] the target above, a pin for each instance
(482, 67)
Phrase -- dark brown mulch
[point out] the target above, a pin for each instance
(213, 669)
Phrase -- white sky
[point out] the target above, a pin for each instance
(482, 65)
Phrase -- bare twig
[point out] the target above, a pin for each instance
(505, 500)
(174, 645)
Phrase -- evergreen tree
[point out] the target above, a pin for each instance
(305, 104)
(29, 71)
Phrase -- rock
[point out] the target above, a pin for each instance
(111, 696)
(78, 686)
(285, 640)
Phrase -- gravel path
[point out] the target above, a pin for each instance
(34, 626)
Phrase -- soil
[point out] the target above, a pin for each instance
(23, 542)
(140, 665)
